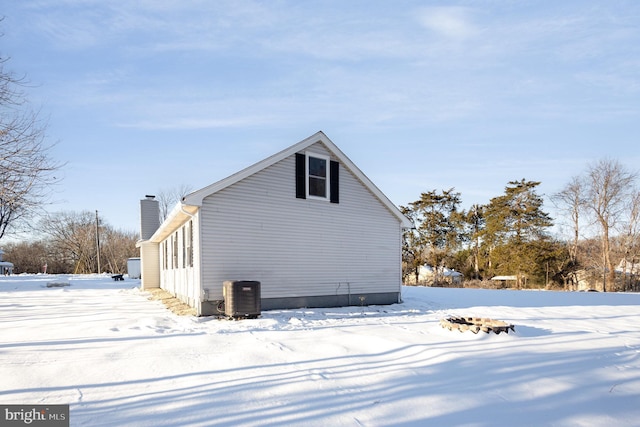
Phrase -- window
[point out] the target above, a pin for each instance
(174, 238)
(189, 243)
(317, 177)
(184, 247)
(164, 255)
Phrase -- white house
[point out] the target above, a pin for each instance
(427, 274)
(306, 223)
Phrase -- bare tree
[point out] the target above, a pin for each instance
(169, 198)
(117, 247)
(72, 235)
(630, 238)
(30, 257)
(569, 200)
(607, 187)
(26, 167)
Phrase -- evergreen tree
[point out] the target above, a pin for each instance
(474, 224)
(515, 222)
(438, 230)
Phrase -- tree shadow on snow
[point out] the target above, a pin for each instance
(411, 385)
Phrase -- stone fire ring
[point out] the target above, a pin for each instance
(476, 324)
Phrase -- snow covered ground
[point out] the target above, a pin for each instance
(119, 359)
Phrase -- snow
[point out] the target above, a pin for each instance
(118, 359)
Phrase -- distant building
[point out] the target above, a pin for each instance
(428, 275)
(627, 275)
(133, 268)
(6, 267)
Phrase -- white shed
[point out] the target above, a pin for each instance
(427, 275)
(306, 223)
(6, 267)
(133, 268)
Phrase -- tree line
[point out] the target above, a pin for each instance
(74, 242)
(511, 235)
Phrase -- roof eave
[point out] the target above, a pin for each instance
(179, 215)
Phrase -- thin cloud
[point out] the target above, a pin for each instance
(164, 123)
(453, 23)
(158, 26)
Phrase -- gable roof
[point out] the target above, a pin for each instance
(196, 198)
(187, 207)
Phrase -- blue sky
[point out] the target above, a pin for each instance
(151, 95)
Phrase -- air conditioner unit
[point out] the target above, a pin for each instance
(241, 298)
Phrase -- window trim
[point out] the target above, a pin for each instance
(327, 191)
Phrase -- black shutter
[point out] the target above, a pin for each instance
(334, 176)
(301, 188)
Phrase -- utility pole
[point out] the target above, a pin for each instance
(98, 241)
(604, 273)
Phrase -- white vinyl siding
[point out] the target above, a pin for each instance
(150, 265)
(178, 275)
(256, 229)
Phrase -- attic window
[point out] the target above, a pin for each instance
(317, 177)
